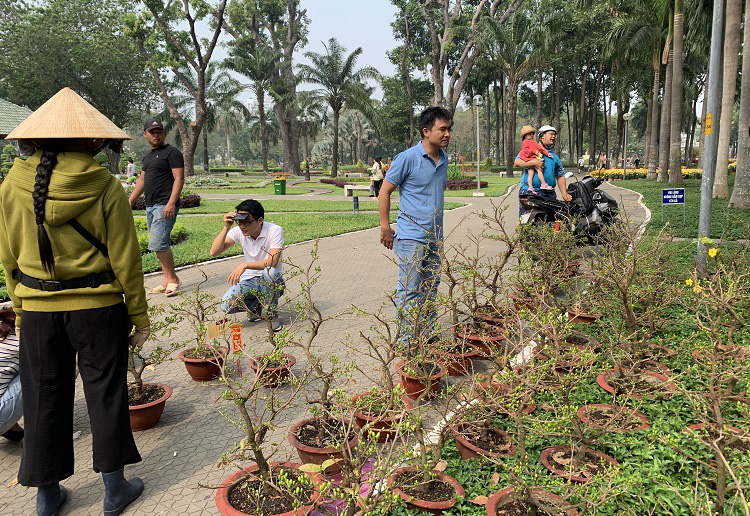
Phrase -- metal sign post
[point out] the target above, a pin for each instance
(671, 197)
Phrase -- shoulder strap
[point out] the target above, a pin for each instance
(88, 236)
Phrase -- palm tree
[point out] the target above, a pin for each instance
(313, 115)
(221, 90)
(258, 66)
(731, 50)
(675, 156)
(267, 128)
(341, 84)
(509, 46)
(230, 115)
(741, 192)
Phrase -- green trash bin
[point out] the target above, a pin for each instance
(279, 185)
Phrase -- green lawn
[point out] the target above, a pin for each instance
(266, 190)
(726, 222)
(283, 205)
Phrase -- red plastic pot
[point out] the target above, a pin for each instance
(521, 301)
(424, 505)
(203, 370)
(467, 450)
(311, 455)
(457, 364)
(383, 425)
(416, 386)
(486, 345)
(143, 417)
(222, 494)
(499, 499)
(583, 416)
(668, 384)
(545, 458)
(272, 376)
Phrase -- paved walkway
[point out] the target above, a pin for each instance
(181, 452)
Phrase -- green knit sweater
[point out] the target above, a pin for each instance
(79, 188)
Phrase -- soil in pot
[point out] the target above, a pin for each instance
(477, 439)
(582, 341)
(324, 433)
(457, 359)
(434, 496)
(371, 409)
(203, 365)
(253, 496)
(151, 392)
(508, 503)
(486, 338)
(414, 378)
(503, 316)
(733, 437)
(641, 384)
(583, 315)
(273, 372)
(612, 417)
(560, 461)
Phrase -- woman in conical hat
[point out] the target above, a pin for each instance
(74, 275)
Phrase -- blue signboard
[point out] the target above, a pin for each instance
(673, 196)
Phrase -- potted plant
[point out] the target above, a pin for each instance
(205, 358)
(147, 400)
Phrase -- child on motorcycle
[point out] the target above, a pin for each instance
(531, 150)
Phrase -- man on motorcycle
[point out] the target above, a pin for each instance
(553, 169)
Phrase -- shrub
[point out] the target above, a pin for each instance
(463, 184)
(227, 169)
(336, 182)
(179, 234)
(188, 200)
(454, 172)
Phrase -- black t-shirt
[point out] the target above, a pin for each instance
(158, 179)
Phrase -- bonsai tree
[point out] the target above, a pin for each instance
(198, 308)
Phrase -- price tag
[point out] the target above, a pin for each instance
(709, 123)
(236, 337)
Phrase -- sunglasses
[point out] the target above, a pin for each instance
(245, 222)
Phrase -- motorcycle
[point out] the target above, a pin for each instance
(588, 212)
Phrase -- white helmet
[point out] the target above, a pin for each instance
(544, 129)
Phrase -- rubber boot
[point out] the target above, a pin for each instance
(49, 498)
(118, 492)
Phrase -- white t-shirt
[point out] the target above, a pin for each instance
(271, 237)
(131, 169)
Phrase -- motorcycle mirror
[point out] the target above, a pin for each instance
(568, 175)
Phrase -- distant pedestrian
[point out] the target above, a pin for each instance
(11, 399)
(637, 162)
(131, 169)
(602, 161)
(581, 164)
(377, 176)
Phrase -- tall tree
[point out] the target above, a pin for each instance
(741, 192)
(675, 148)
(278, 26)
(168, 39)
(342, 84)
(729, 85)
(666, 105)
(258, 66)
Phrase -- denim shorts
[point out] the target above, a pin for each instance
(159, 228)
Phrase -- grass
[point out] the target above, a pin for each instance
(496, 187)
(728, 223)
(281, 206)
(265, 190)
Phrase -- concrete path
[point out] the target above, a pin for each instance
(181, 452)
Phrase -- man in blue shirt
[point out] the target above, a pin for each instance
(419, 173)
(553, 170)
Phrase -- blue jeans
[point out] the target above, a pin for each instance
(11, 405)
(159, 228)
(255, 293)
(418, 281)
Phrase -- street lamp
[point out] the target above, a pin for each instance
(625, 117)
(478, 101)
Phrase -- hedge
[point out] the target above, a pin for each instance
(336, 182)
(186, 201)
(463, 184)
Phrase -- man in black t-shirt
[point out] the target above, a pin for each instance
(162, 179)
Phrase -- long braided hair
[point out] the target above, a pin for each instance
(41, 187)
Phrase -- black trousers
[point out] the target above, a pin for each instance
(377, 185)
(49, 343)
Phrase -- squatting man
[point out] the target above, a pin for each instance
(259, 280)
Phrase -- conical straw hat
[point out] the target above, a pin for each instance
(67, 115)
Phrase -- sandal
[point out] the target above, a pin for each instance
(172, 289)
(158, 290)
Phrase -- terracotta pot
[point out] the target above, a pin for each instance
(495, 388)
(503, 320)
(668, 384)
(576, 316)
(382, 425)
(486, 345)
(415, 386)
(521, 301)
(424, 505)
(467, 450)
(203, 370)
(457, 364)
(222, 494)
(273, 376)
(700, 426)
(143, 417)
(593, 344)
(545, 458)
(311, 455)
(583, 416)
(571, 270)
(500, 498)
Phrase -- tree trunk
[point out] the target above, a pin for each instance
(675, 159)
(741, 192)
(407, 79)
(496, 95)
(702, 138)
(260, 96)
(691, 136)
(113, 159)
(570, 133)
(647, 137)
(731, 49)
(654, 147)
(539, 99)
(510, 126)
(206, 165)
(663, 172)
(229, 146)
(558, 107)
(335, 163)
(503, 114)
(607, 115)
(488, 121)
(620, 130)
(307, 156)
(595, 111)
